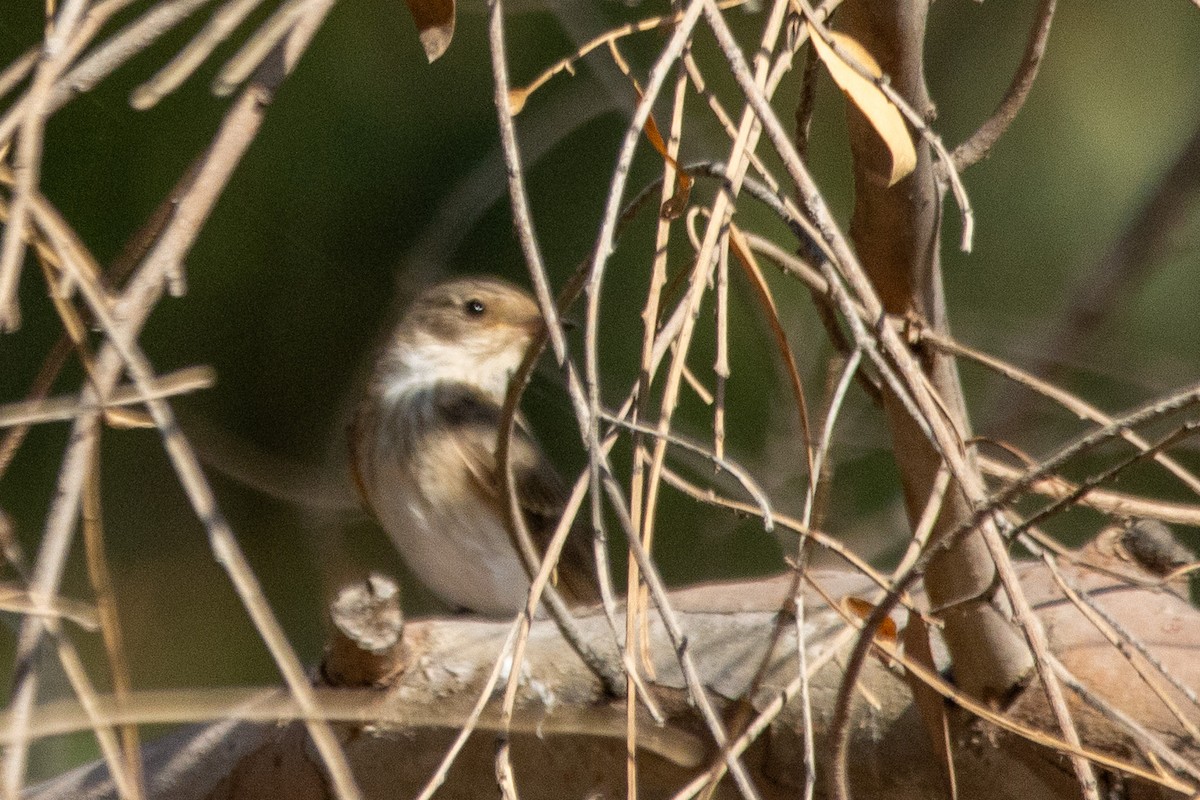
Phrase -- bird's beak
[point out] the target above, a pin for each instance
(537, 324)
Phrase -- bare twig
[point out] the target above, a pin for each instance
(1127, 645)
(519, 94)
(1119, 504)
(18, 70)
(27, 167)
(185, 62)
(1067, 400)
(468, 725)
(1187, 429)
(723, 462)
(981, 141)
(241, 124)
(122, 46)
(59, 409)
(587, 409)
(110, 625)
(1143, 736)
(1005, 721)
(260, 44)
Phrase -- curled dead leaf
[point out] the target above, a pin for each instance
(884, 117)
(435, 25)
(862, 609)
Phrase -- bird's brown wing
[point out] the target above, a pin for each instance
(540, 489)
(543, 497)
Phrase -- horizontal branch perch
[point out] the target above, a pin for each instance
(568, 739)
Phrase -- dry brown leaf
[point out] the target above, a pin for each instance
(677, 204)
(435, 25)
(862, 609)
(884, 117)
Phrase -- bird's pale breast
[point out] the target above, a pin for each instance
(424, 482)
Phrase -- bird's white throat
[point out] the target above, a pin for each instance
(415, 367)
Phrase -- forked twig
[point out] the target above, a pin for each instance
(186, 61)
(519, 94)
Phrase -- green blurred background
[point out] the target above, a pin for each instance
(376, 172)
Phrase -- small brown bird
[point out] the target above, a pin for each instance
(424, 450)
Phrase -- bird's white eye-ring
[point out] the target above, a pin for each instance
(474, 307)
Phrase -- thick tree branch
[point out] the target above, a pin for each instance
(568, 740)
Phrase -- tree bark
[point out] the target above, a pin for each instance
(568, 739)
(896, 233)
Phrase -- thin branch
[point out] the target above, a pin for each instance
(1004, 722)
(982, 140)
(132, 773)
(240, 126)
(18, 70)
(27, 168)
(60, 409)
(172, 75)
(1126, 645)
(588, 413)
(126, 43)
(1187, 429)
(1071, 402)
(92, 22)
(1138, 732)
(769, 713)
(469, 724)
(721, 462)
(260, 44)
(520, 94)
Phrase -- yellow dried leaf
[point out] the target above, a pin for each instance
(884, 117)
(435, 25)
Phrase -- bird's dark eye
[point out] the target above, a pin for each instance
(474, 308)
